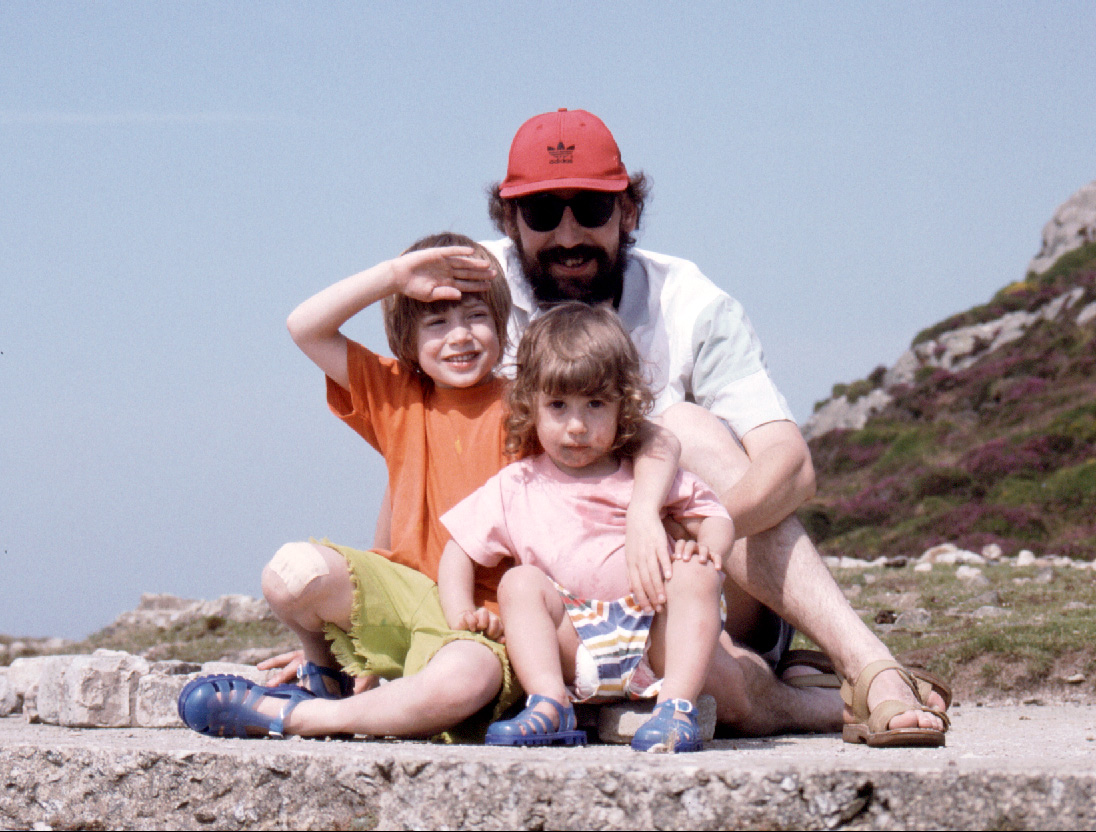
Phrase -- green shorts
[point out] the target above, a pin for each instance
(396, 627)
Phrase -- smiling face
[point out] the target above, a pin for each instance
(577, 433)
(458, 345)
(572, 261)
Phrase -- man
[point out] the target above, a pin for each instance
(569, 210)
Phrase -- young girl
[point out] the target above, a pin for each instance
(573, 631)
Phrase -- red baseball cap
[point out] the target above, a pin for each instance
(564, 149)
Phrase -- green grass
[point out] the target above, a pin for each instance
(1036, 632)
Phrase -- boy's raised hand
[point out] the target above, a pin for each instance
(444, 273)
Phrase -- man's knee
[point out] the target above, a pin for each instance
(708, 447)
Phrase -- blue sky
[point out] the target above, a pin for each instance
(176, 177)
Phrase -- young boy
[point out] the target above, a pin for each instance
(435, 413)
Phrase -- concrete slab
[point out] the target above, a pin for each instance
(1005, 767)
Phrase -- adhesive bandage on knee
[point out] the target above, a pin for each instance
(298, 565)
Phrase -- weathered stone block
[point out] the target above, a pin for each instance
(43, 697)
(99, 691)
(248, 671)
(9, 702)
(157, 700)
(618, 723)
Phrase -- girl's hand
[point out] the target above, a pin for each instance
(685, 549)
(648, 556)
(480, 620)
(445, 273)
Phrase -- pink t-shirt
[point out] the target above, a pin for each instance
(570, 527)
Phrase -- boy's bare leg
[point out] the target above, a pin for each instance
(540, 639)
(461, 678)
(781, 569)
(308, 585)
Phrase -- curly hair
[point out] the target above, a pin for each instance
(503, 212)
(402, 314)
(575, 349)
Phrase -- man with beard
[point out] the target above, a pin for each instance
(569, 210)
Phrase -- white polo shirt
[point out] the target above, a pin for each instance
(696, 339)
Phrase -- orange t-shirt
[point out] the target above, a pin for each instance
(439, 444)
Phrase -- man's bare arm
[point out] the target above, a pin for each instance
(779, 479)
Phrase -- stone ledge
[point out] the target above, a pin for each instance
(1005, 767)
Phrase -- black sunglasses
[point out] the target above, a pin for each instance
(543, 212)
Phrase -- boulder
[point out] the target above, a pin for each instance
(1072, 226)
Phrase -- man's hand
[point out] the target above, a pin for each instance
(445, 273)
(480, 620)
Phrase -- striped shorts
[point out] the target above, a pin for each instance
(611, 663)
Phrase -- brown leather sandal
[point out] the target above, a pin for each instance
(871, 726)
(826, 677)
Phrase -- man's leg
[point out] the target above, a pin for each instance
(781, 569)
(752, 702)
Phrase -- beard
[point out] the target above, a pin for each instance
(606, 285)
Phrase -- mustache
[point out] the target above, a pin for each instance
(557, 254)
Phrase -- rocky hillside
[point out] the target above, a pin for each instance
(984, 431)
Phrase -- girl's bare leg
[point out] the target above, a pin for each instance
(540, 638)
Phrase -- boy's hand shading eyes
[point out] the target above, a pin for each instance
(435, 274)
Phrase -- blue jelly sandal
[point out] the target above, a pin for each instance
(665, 733)
(531, 727)
(311, 676)
(226, 706)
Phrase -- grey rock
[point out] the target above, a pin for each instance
(989, 612)
(1073, 225)
(163, 610)
(840, 413)
(916, 620)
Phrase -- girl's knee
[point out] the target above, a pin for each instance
(521, 583)
(693, 578)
